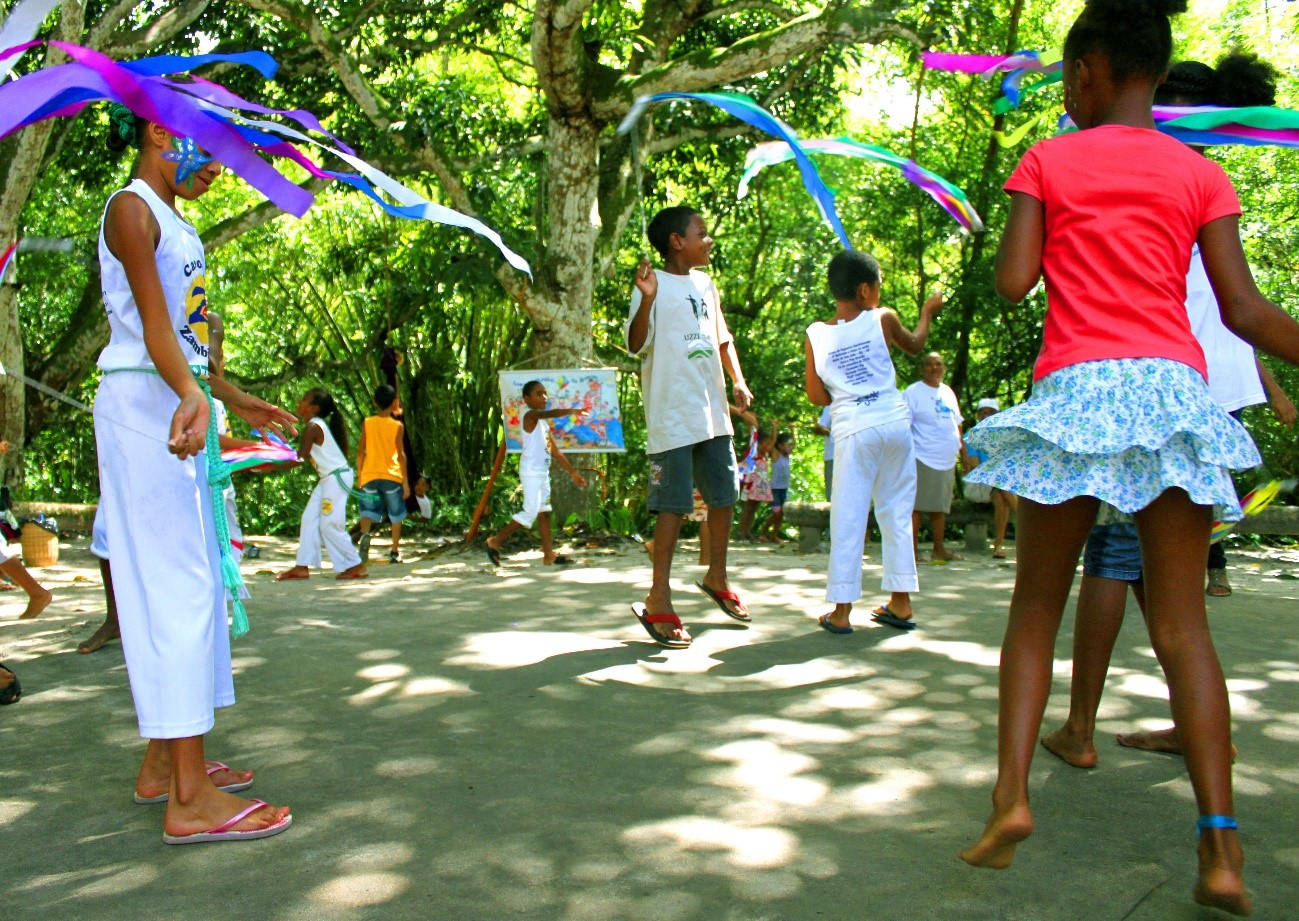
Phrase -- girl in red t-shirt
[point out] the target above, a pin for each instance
(1121, 416)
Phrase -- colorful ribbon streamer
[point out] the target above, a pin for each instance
(1254, 502)
(987, 65)
(264, 457)
(746, 110)
(21, 26)
(7, 259)
(204, 112)
(950, 197)
(1216, 125)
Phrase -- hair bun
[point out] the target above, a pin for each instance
(1137, 9)
(1244, 79)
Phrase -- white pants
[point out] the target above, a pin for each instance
(157, 517)
(325, 520)
(874, 463)
(536, 497)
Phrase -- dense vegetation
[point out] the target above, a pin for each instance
(467, 101)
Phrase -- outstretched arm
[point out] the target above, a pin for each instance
(1245, 311)
(897, 334)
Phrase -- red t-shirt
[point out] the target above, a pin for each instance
(1123, 208)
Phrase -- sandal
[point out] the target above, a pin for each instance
(213, 767)
(739, 612)
(1218, 586)
(648, 620)
(13, 691)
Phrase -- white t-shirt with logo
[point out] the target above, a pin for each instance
(682, 385)
(181, 270)
(1233, 375)
(935, 424)
(852, 359)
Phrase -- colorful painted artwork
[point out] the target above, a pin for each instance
(592, 389)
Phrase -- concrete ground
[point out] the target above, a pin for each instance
(458, 743)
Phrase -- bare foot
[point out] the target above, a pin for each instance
(211, 810)
(297, 572)
(1070, 748)
(38, 602)
(1221, 884)
(356, 572)
(106, 633)
(1164, 741)
(995, 849)
(153, 786)
(944, 556)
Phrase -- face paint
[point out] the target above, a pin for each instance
(188, 159)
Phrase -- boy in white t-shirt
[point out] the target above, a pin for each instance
(676, 327)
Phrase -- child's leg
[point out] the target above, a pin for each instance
(333, 529)
(497, 541)
(38, 597)
(854, 476)
(109, 629)
(705, 542)
(1052, 539)
(1174, 546)
(659, 599)
(1002, 503)
(547, 540)
(1097, 621)
(938, 525)
(396, 537)
(309, 536)
(894, 492)
(746, 519)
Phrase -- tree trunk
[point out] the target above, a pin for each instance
(11, 389)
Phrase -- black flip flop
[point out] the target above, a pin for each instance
(562, 560)
(884, 616)
(14, 692)
(494, 555)
(648, 620)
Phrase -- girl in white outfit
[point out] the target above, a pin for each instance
(849, 370)
(152, 422)
(324, 520)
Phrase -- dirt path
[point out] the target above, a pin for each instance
(459, 743)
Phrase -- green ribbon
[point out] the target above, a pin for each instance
(354, 493)
(122, 121)
(218, 477)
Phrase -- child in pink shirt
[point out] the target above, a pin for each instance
(1120, 415)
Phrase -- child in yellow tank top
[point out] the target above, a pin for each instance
(381, 466)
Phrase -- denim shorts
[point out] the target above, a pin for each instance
(708, 466)
(380, 496)
(778, 497)
(1113, 552)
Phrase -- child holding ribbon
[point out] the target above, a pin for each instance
(153, 420)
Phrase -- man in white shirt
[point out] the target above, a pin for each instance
(936, 432)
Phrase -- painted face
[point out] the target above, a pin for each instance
(189, 159)
(696, 244)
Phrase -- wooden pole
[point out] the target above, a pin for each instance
(487, 494)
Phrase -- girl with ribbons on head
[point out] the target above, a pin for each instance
(153, 420)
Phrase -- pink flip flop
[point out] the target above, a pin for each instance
(222, 832)
(213, 767)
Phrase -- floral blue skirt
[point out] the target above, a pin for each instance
(1122, 430)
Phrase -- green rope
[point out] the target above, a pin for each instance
(356, 494)
(218, 477)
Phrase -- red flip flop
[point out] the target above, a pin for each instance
(648, 620)
(720, 599)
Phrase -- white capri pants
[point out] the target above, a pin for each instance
(876, 463)
(536, 497)
(157, 517)
(324, 520)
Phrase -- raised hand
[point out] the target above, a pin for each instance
(647, 281)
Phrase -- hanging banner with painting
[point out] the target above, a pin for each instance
(595, 390)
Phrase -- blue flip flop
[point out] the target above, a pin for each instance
(824, 621)
(884, 615)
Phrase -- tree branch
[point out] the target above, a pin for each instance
(837, 23)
